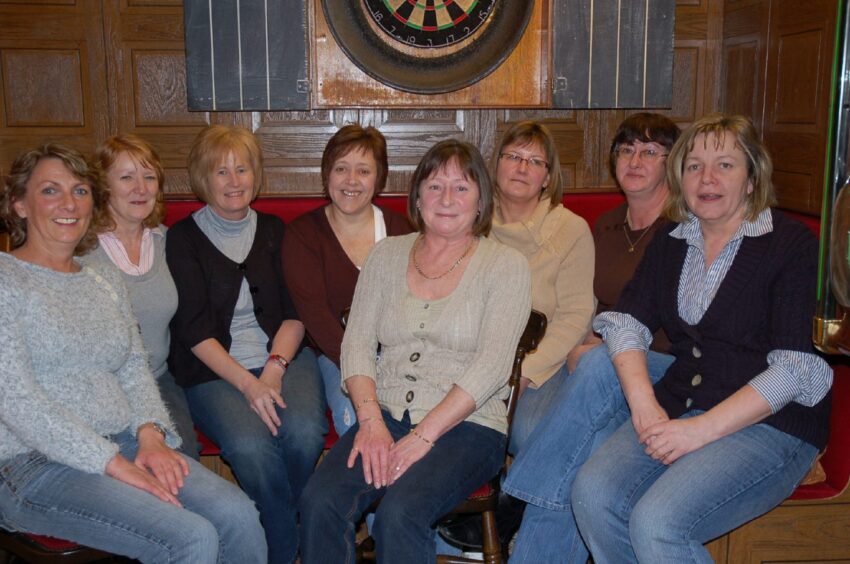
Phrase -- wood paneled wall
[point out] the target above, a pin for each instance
(777, 67)
(78, 71)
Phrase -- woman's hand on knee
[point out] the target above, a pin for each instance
(166, 464)
(125, 471)
(405, 453)
(263, 399)
(372, 443)
(670, 440)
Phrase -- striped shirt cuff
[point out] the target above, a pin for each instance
(804, 378)
(622, 332)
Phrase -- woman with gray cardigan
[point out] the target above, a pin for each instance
(445, 307)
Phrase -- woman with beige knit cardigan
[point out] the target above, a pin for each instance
(443, 310)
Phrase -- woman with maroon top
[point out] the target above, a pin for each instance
(330, 245)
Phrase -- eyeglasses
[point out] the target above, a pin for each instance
(533, 162)
(626, 153)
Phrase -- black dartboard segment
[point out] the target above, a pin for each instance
(427, 46)
(430, 23)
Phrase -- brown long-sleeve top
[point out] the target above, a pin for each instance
(615, 265)
(320, 276)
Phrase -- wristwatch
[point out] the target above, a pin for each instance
(159, 428)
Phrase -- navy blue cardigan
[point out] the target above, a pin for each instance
(765, 302)
(208, 286)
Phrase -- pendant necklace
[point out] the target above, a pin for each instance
(633, 244)
(451, 268)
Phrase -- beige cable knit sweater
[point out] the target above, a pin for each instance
(559, 248)
(467, 338)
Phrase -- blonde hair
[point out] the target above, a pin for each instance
(759, 164)
(212, 145)
(142, 151)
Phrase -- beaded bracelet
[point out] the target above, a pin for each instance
(279, 360)
(418, 436)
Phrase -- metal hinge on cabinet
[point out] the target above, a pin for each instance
(560, 84)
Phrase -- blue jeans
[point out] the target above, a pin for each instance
(587, 408)
(272, 470)
(532, 407)
(217, 523)
(175, 400)
(336, 497)
(339, 403)
(639, 510)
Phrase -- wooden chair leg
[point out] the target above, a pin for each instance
(492, 548)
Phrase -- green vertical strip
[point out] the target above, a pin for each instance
(828, 195)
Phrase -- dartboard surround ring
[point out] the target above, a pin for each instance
(427, 46)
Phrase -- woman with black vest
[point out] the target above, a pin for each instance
(739, 417)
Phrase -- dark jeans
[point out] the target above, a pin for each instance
(336, 496)
(271, 470)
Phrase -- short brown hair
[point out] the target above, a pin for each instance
(15, 188)
(212, 145)
(356, 137)
(473, 167)
(142, 151)
(526, 133)
(759, 163)
(646, 127)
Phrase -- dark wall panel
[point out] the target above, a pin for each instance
(613, 53)
(246, 54)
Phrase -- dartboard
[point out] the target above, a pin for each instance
(430, 23)
(427, 46)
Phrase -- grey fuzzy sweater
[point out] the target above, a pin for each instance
(73, 369)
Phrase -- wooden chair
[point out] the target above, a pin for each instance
(485, 499)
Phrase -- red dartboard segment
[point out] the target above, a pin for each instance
(429, 23)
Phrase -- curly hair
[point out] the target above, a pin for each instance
(15, 188)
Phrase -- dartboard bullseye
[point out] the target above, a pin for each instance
(429, 23)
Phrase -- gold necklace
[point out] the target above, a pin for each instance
(633, 244)
(451, 268)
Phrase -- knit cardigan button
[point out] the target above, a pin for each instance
(696, 380)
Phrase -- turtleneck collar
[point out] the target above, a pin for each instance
(225, 227)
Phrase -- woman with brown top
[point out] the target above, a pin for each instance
(330, 245)
(543, 471)
(446, 307)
